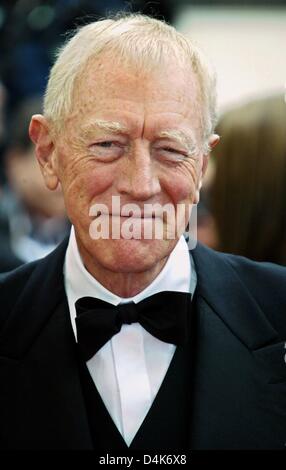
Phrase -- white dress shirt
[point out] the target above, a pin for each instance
(129, 369)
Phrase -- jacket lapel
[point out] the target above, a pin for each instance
(221, 289)
(39, 358)
(218, 285)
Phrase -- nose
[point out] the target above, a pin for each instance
(138, 177)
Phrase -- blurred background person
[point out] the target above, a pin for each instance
(2, 129)
(32, 218)
(247, 191)
(206, 230)
(32, 30)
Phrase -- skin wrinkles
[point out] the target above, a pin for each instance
(111, 127)
(116, 128)
(184, 139)
(155, 111)
(91, 132)
(81, 159)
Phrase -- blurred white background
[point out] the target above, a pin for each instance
(246, 45)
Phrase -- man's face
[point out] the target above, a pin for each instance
(129, 134)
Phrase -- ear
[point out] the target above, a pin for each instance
(213, 141)
(40, 134)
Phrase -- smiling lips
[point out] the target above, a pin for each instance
(144, 217)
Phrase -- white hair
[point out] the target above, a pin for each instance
(143, 40)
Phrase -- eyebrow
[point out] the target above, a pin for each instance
(116, 127)
(107, 126)
(181, 137)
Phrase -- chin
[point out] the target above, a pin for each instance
(132, 255)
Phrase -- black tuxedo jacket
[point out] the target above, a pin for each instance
(238, 369)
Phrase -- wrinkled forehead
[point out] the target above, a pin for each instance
(141, 64)
(107, 79)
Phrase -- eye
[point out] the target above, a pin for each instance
(107, 144)
(107, 150)
(171, 153)
(171, 150)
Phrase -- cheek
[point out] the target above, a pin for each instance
(180, 187)
(87, 188)
(82, 186)
(81, 174)
(96, 181)
(86, 180)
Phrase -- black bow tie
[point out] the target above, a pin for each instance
(164, 315)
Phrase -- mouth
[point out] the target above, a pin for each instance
(129, 216)
(136, 226)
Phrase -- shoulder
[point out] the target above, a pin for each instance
(41, 279)
(264, 282)
(252, 272)
(264, 278)
(12, 284)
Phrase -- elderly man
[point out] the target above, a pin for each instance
(115, 342)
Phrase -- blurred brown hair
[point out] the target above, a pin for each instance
(248, 195)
